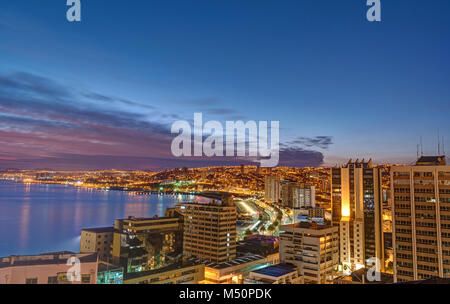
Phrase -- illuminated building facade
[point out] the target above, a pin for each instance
(313, 248)
(210, 231)
(236, 271)
(272, 189)
(143, 244)
(356, 197)
(303, 199)
(182, 272)
(287, 193)
(421, 219)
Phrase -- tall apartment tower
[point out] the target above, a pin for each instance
(287, 193)
(421, 219)
(299, 197)
(210, 231)
(356, 198)
(272, 189)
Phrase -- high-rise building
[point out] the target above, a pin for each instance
(316, 212)
(210, 231)
(287, 193)
(421, 219)
(272, 189)
(313, 248)
(356, 197)
(303, 200)
(298, 197)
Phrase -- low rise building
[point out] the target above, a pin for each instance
(51, 268)
(236, 271)
(178, 273)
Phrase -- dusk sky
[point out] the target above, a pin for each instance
(103, 92)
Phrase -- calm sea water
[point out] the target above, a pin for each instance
(41, 218)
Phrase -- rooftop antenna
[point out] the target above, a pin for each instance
(421, 146)
(443, 146)
(418, 151)
(439, 144)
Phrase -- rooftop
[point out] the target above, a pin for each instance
(308, 225)
(99, 229)
(247, 258)
(360, 276)
(436, 280)
(174, 266)
(277, 270)
(46, 259)
(431, 161)
(147, 219)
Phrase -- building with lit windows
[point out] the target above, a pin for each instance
(236, 271)
(421, 219)
(210, 231)
(356, 198)
(272, 188)
(144, 244)
(313, 248)
(183, 272)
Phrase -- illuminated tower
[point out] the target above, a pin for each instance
(356, 197)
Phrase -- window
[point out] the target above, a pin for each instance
(86, 278)
(52, 280)
(31, 281)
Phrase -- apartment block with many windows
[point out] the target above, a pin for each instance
(210, 231)
(421, 219)
(313, 248)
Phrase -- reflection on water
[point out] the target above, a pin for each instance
(43, 218)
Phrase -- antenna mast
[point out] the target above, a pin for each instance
(439, 144)
(443, 146)
(421, 146)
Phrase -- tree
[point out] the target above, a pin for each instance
(279, 217)
(271, 227)
(248, 232)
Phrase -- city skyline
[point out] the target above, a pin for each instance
(103, 93)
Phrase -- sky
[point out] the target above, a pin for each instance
(104, 92)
